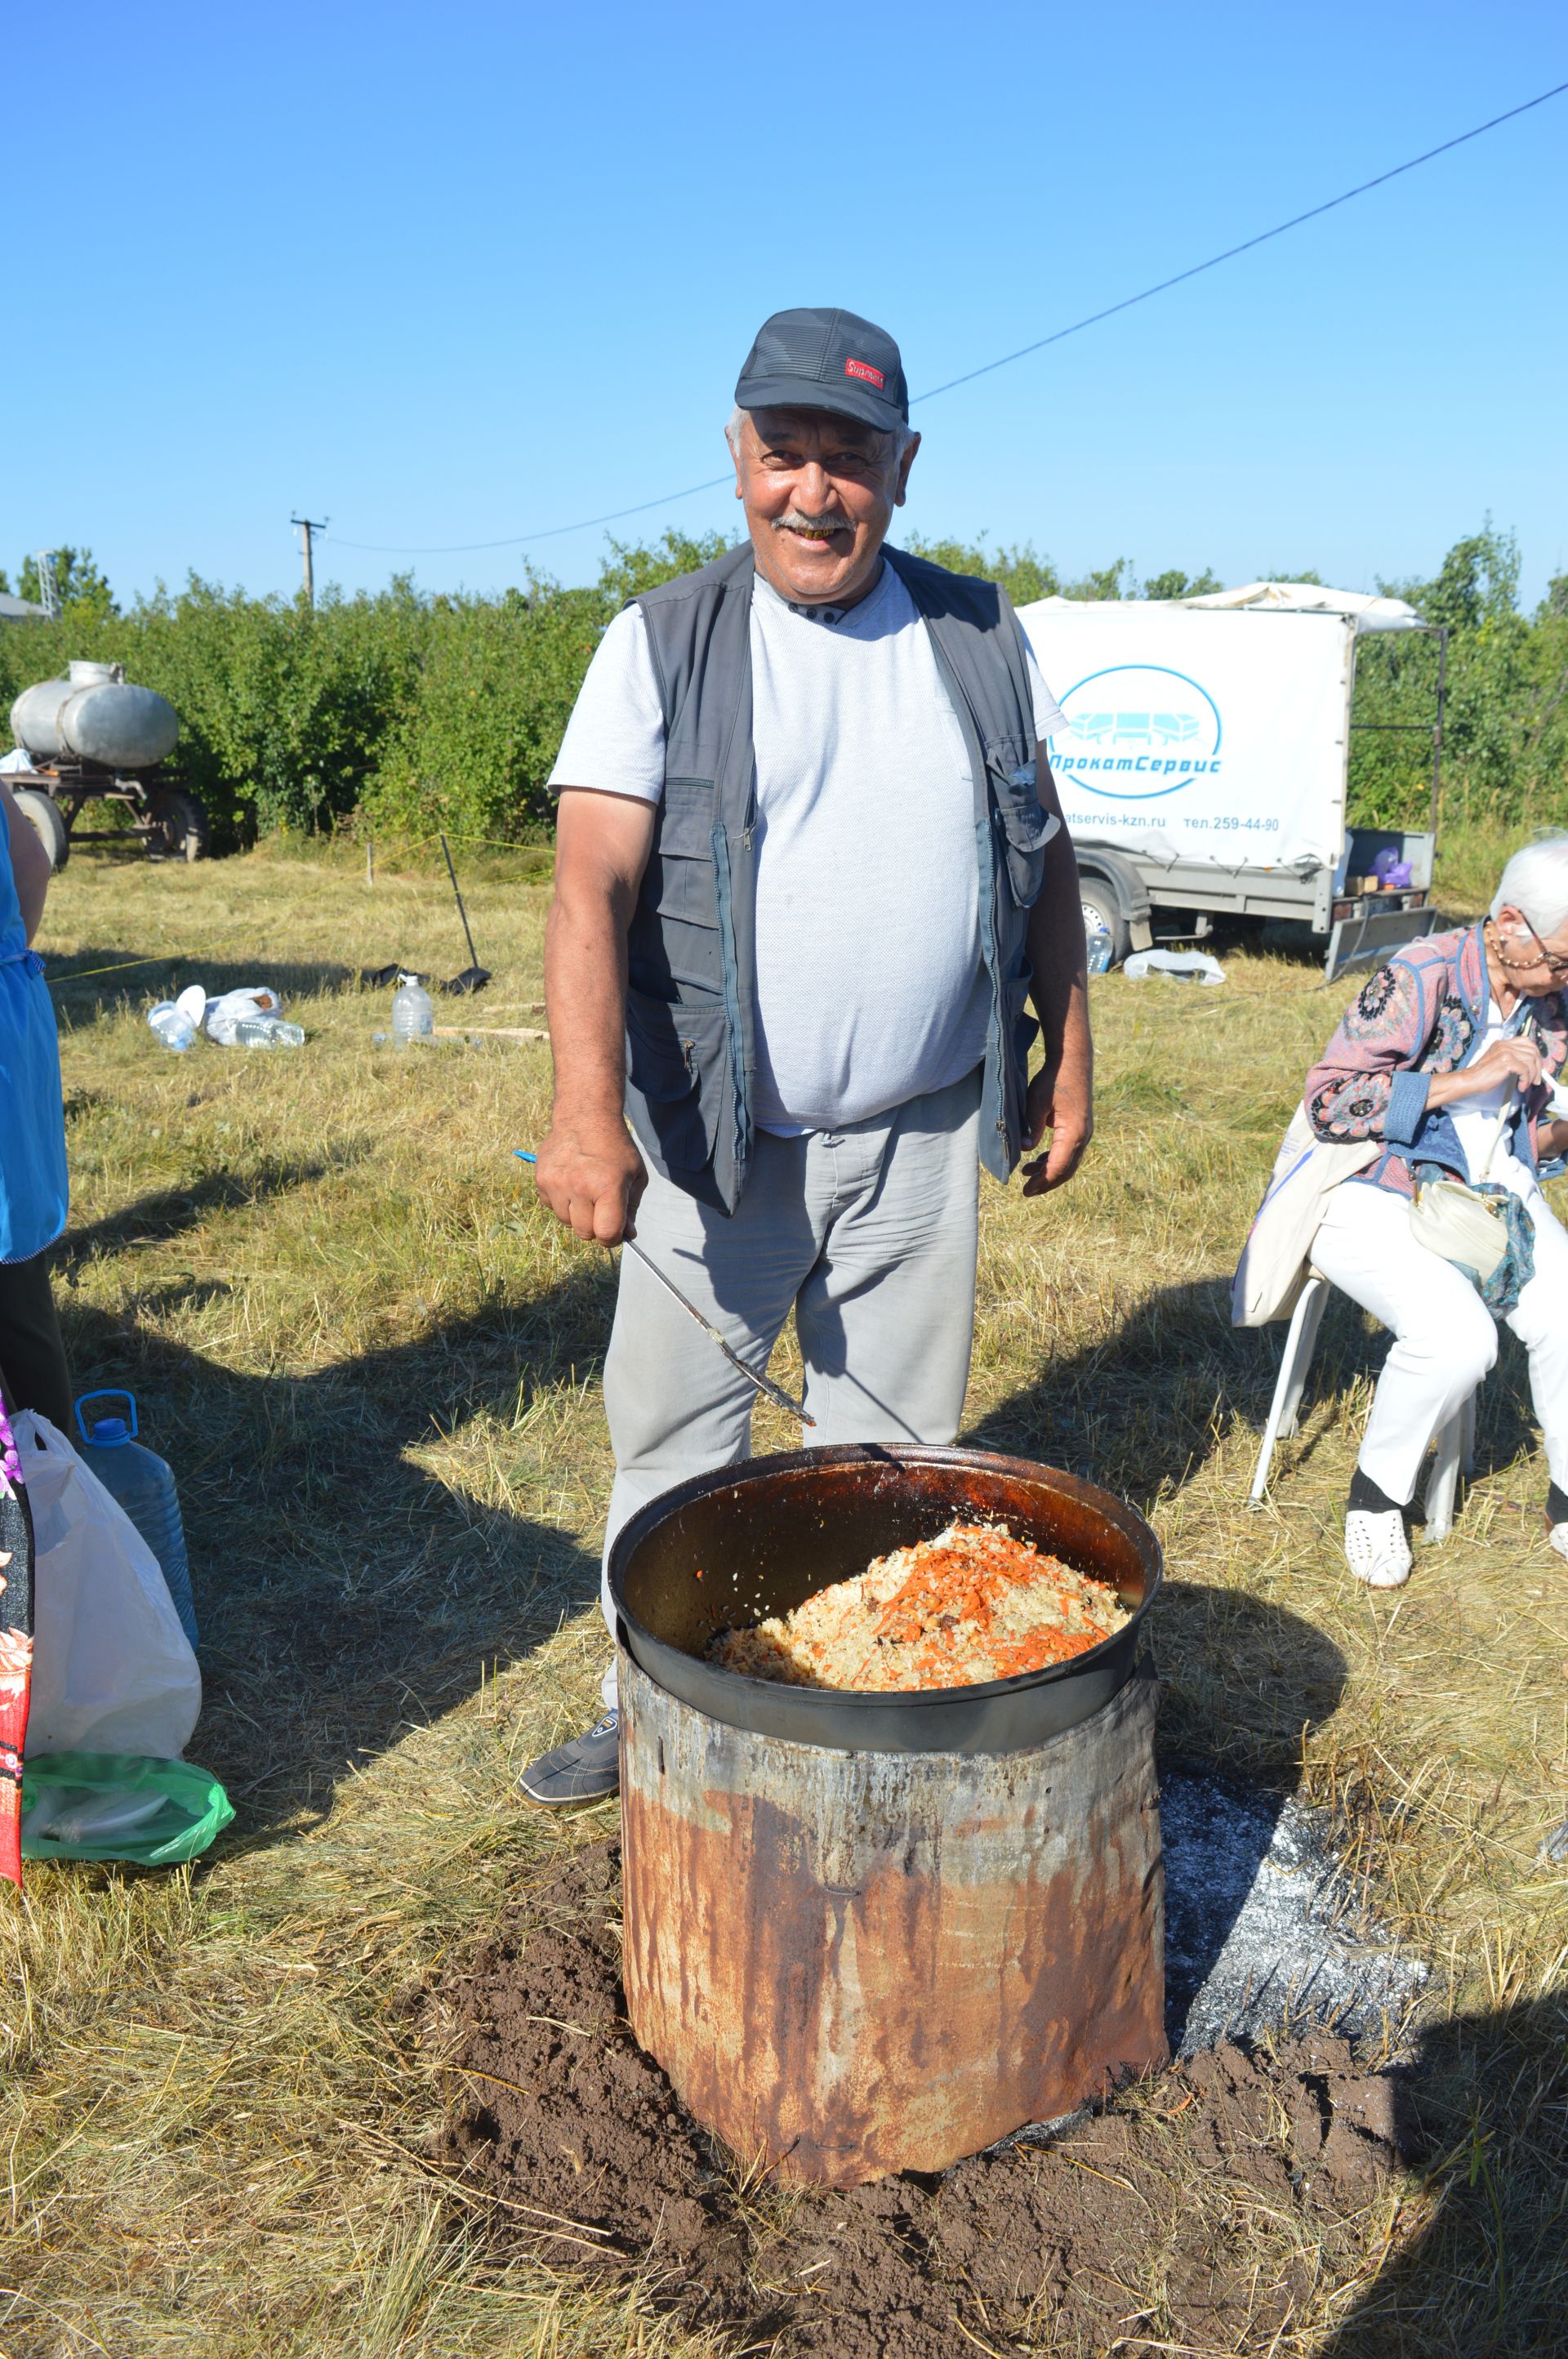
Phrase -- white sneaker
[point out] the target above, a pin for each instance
(1377, 1549)
(1557, 1537)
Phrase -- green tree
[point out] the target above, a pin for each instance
(1115, 580)
(80, 583)
(633, 567)
(1177, 584)
(1506, 727)
(1476, 582)
(1023, 572)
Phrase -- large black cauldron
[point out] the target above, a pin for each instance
(771, 1531)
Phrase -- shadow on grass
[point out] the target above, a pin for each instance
(174, 1212)
(1489, 2274)
(1242, 1679)
(100, 980)
(1140, 1410)
(345, 1593)
(1353, 1347)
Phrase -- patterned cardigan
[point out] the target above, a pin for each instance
(1424, 1013)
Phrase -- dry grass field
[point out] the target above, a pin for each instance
(374, 1364)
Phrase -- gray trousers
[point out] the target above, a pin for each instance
(867, 1232)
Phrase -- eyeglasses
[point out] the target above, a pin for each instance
(1555, 965)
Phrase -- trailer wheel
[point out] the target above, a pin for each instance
(48, 822)
(1107, 936)
(179, 828)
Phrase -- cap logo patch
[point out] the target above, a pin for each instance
(864, 369)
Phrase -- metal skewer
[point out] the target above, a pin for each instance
(764, 1384)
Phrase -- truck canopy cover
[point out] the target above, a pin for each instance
(1358, 606)
(1207, 731)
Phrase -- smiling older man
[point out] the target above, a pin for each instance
(810, 864)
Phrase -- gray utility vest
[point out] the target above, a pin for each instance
(690, 1002)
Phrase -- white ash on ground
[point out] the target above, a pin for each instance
(1263, 1926)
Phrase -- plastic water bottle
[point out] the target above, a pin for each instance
(172, 1025)
(221, 1018)
(413, 1012)
(267, 1032)
(144, 1484)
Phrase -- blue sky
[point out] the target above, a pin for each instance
(446, 274)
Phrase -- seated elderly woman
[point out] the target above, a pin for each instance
(1456, 1031)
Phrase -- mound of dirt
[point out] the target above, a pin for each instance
(1187, 2212)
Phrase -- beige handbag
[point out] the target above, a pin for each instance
(1454, 1220)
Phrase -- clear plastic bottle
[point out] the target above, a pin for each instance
(267, 1032)
(144, 1484)
(222, 1017)
(172, 1025)
(413, 1012)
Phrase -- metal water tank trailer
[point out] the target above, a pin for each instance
(95, 715)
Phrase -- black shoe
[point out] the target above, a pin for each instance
(584, 1769)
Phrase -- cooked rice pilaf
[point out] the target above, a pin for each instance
(972, 1604)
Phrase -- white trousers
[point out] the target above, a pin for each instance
(869, 1234)
(1445, 1339)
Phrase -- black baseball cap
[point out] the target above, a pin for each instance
(817, 359)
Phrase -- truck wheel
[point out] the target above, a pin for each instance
(48, 821)
(180, 829)
(1107, 936)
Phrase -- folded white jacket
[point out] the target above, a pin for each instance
(1278, 1252)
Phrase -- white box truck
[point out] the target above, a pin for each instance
(1203, 766)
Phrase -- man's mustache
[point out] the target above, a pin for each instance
(818, 528)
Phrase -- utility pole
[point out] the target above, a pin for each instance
(49, 585)
(307, 524)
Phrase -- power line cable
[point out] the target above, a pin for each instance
(1313, 212)
(1262, 238)
(457, 548)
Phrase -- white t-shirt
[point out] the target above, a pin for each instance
(1476, 1118)
(871, 984)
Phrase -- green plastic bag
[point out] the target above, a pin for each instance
(119, 1806)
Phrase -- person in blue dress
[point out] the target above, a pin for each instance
(34, 1193)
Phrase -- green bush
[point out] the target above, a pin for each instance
(1505, 739)
(403, 712)
(283, 712)
(398, 709)
(471, 750)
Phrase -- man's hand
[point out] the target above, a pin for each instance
(591, 1175)
(1059, 1102)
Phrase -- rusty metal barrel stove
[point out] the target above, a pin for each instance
(876, 1932)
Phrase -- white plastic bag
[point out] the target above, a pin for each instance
(1182, 966)
(112, 1670)
(220, 1015)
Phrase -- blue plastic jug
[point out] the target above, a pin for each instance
(143, 1486)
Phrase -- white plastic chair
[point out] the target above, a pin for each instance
(1456, 1440)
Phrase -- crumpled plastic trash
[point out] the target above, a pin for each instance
(1182, 966)
(220, 1015)
(250, 1017)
